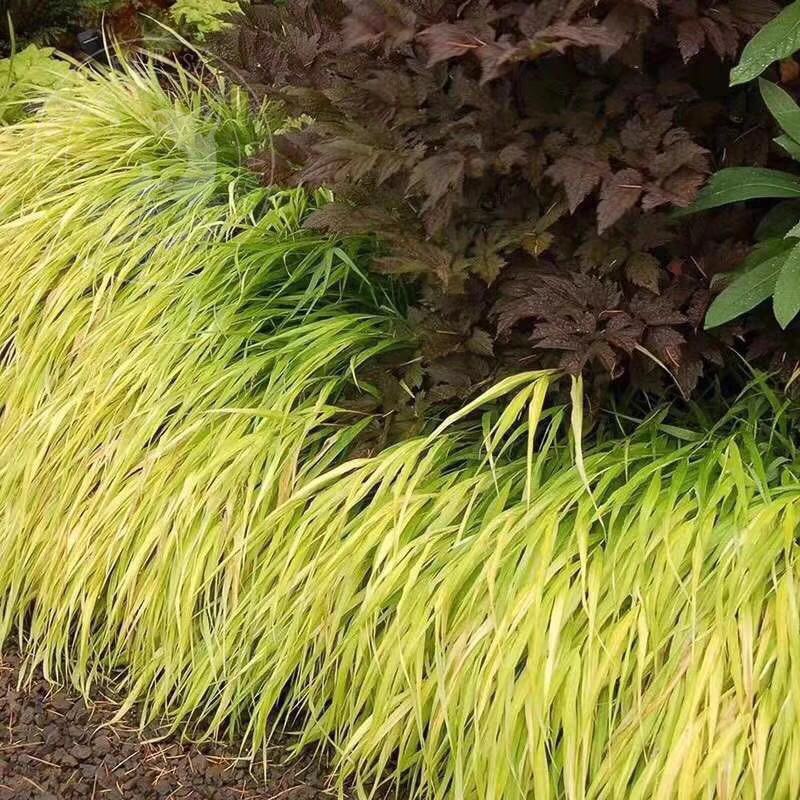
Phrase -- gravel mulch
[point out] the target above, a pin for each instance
(52, 747)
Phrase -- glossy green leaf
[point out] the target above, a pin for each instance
(789, 145)
(746, 292)
(778, 245)
(766, 250)
(778, 221)
(786, 302)
(782, 107)
(779, 38)
(735, 184)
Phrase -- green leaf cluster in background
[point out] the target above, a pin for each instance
(24, 76)
(204, 17)
(773, 268)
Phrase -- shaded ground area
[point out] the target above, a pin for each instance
(51, 749)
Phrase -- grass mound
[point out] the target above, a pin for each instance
(479, 612)
(162, 326)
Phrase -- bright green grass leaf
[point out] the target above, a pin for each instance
(782, 107)
(779, 38)
(786, 301)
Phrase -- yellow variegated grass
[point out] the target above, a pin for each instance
(485, 611)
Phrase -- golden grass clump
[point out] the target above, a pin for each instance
(483, 612)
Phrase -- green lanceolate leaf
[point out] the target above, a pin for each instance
(766, 250)
(735, 184)
(778, 221)
(786, 302)
(777, 39)
(746, 292)
(778, 245)
(789, 145)
(782, 107)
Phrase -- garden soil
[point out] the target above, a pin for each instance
(54, 747)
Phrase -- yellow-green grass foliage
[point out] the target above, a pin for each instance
(482, 612)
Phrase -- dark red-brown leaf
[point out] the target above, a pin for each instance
(538, 15)
(449, 40)
(436, 176)
(619, 194)
(578, 177)
(691, 37)
(370, 22)
(643, 269)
